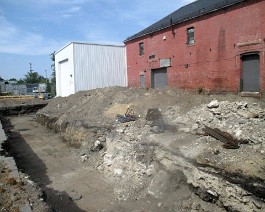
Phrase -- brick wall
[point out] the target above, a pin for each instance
(213, 62)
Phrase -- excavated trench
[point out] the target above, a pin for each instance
(21, 109)
(253, 187)
(76, 133)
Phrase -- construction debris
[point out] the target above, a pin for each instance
(97, 146)
(155, 120)
(153, 114)
(127, 117)
(230, 142)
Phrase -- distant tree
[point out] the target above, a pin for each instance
(53, 76)
(42, 79)
(20, 81)
(13, 80)
(33, 77)
(48, 87)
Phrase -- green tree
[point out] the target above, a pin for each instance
(52, 85)
(31, 77)
(20, 81)
(12, 80)
(42, 79)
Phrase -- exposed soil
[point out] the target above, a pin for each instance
(162, 165)
(55, 167)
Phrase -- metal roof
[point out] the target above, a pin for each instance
(185, 13)
(84, 43)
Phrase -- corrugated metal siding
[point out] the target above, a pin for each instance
(99, 66)
(64, 82)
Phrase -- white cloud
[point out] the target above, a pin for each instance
(72, 11)
(17, 41)
(136, 14)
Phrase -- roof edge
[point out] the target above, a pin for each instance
(88, 43)
(179, 22)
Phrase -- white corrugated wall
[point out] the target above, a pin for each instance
(64, 66)
(99, 66)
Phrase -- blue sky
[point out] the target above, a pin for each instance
(31, 30)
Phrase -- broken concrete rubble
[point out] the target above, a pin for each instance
(97, 146)
(213, 104)
(134, 154)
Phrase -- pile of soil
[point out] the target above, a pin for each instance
(166, 162)
(142, 158)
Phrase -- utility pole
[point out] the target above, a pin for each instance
(46, 76)
(30, 67)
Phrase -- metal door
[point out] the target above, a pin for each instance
(142, 81)
(159, 78)
(250, 73)
(66, 78)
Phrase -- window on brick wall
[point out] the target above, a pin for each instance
(190, 36)
(141, 48)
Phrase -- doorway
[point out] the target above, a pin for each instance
(250, 81)
(159, 78)
(142, 81)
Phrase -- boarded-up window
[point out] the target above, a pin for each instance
(190, 36)
(141, 48)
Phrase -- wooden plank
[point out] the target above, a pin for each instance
(16, 97)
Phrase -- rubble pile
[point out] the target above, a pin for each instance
(215, 172)
(142, 157)
(243, 120)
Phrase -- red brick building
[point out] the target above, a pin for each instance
(216, 45)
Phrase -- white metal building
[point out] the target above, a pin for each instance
(86, 66)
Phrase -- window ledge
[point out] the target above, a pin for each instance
(190, 45)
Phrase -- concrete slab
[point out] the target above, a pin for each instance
(250, 94)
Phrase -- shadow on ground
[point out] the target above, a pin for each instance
(28, 162)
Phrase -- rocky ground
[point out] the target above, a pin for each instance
(168, 162)
(19, 194)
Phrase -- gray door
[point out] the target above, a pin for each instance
(142, 81)
(250, 73)
(159, 78)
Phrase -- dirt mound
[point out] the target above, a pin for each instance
(142, 158)
(100, 106)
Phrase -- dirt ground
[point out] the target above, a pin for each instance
(55, 167)
(139, 165)
(72, 185)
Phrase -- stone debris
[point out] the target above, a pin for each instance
(136, 151)
(213, 104)
(83, 158)
(123, 151)
(26, 208)
(75, 197)
(97, 146)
